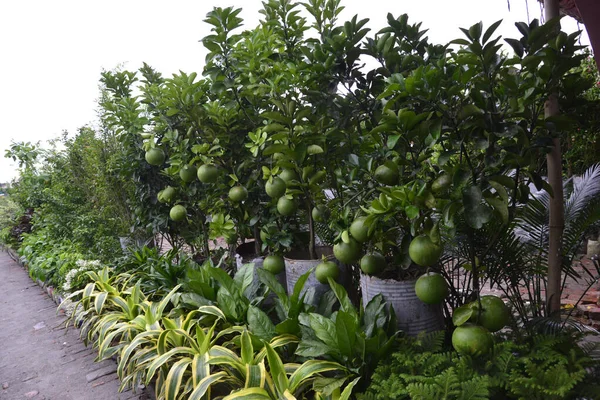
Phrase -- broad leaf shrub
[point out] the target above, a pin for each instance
(542, 367)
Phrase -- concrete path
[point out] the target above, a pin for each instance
(39, 358)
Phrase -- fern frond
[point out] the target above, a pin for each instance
(421, 391)
(474, 389)
(432, 342)
(448, 384)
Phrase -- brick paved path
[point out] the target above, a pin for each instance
(39, 358)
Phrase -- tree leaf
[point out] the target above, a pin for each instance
(275, 148)
(478, 216)
(461, 315)
(490, 31)
(411, 211)
(314, 149)
(472, 197)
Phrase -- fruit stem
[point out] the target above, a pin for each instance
(205, 247)
(311, 231)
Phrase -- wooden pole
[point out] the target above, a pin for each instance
(557, 223)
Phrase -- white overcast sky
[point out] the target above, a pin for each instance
(52, 52)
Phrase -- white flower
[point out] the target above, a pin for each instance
(84, 265)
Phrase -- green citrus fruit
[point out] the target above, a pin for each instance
(267, 231)
(441, 183)
(327, 269)
(275, 188)
(208, 173)
(155, 156)
(187, 173)
(494, 313)
(274, 264)
(472, 340)
(238, 194)
(359, 230)
(288, 176)
(285, 206)
(372, 263)
(431, 288)
(178, 213)
(319, 213)
(423, 251)
(347, 252)
(387, 174)
(167, 195)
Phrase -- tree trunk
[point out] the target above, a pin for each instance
(556, 225)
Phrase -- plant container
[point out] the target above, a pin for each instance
(413, 316)
(297, 263)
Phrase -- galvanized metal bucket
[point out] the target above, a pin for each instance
(258, 263)
(296, 266)
(412, 314)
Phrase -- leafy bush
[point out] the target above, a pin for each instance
(542, 367)
(47, 259)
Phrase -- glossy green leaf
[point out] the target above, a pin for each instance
(461, 315)
(260, 324)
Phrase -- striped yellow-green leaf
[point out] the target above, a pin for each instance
(163, 303)
(200, 368)
(99, 302)
(348, 389)
(162, 359)
(174, 377)
(220, 355)
(277, 341)
(246, 349)
(249, 394)
(140, 339)
(256, 375)
(104, 345)
(204, 385)
(288, 396)
(169, 323)
(87, 292)
(311, 368)
(280, 378)
(290, 368)
(120, 302)
(212, 310)
(229, 331)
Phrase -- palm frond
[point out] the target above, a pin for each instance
(531, 225)
(585, 190)
(582, 210)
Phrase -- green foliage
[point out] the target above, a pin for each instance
(582, 144)
(357, 339)
(8, 219)
(544, 367)
(196, 352)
